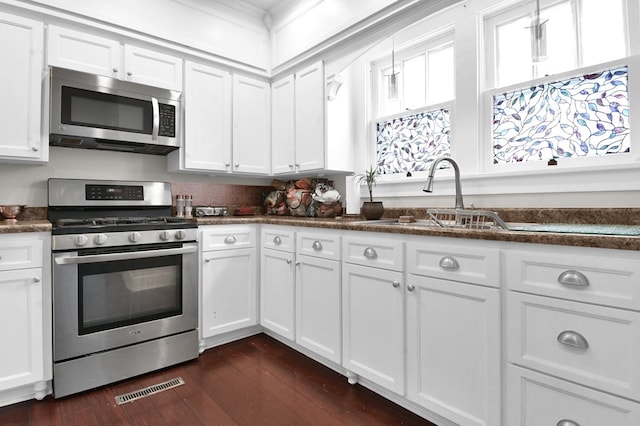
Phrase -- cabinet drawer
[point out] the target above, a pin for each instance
(20, 252)
(377, 252)
(324, 245)
(478, 265)
(278, 239)
(534, 399)
(605, 277)
(592, 345)
(226, 237)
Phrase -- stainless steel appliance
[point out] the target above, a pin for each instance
(211, 211)
(125, 282)
(90, 111)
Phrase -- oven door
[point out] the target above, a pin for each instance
(109, 298)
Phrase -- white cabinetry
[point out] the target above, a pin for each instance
(94, 54)
(373, 310)
(251, 125)
(229, 281)
(453, 330)
(298, 129)
(207, 129)
(21, 83)
(318, 296)
(277, 281)
(573, 321)
(25, 317)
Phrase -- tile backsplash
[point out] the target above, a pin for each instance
(222, 195)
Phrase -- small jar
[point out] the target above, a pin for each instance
(179, 205)
(188, 206)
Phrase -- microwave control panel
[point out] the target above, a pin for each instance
(167, 120)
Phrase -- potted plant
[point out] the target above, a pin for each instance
(371, 210)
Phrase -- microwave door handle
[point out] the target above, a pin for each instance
(110, 257)
(156, 118)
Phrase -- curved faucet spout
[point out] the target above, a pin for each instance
(428, 187)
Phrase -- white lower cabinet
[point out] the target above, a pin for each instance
(25, 317)
(228, 279)
(373, 325)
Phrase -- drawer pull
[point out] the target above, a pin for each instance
(573, 338)
(449, 263)
(317, 245)
(370, 253)
(395, 284)
(573, 278)
(230, 239)
(277, 240)
(565, 422)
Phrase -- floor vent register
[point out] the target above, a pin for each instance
(132, 396)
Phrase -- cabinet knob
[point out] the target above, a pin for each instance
(227, 164)
(574, 339)
(237, 165)
(289, 261)
(565, 422)
(230, 239)
(129, 73)
(207, 260)
(573, 278)
(370, 253)
(291, 166)
(449, 263)
(115, 70)
(317, 245)
(35, 149)
(297, 263)
(395, 284)
(411, 287)
(277, 241)
(36, 279)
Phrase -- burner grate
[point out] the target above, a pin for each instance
(132, 396)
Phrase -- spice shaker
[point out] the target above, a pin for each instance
(188, 206)
(180, 205)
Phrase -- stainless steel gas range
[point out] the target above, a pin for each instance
(124, 282)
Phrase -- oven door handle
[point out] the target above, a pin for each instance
(110, 257)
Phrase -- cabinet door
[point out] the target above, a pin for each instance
(277, 292)
(229, 291)
(207, 142)
(83, 52)
(21, 88)
(251, 126)
(21, 328)
(152, 68)
(318, 309)
(310, 118)
(373, 325)
(453, 348)
(283, 126)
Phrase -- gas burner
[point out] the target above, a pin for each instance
(93, 222)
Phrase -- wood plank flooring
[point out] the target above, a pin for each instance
(254, 381)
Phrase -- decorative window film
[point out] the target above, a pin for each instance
(585, 116)
(410, 143)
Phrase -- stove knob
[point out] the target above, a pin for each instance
(100, 239)
(180, 234)
(134, 237)
(165, 235)
(80, 240)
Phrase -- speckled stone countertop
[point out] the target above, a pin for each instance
(25, 226)
(630, 216)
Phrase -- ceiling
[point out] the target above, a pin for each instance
(265, 5)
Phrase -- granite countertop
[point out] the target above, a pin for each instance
(580, 240)
(38, 225)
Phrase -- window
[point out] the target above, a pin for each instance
(407, 141)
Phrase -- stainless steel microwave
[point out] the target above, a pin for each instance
(96, 112)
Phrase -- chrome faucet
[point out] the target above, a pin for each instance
(428, 187)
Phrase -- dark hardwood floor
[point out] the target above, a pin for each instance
(255, 381)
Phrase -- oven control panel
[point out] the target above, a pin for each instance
(124, 238)
(114, 192)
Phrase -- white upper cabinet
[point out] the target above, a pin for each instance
(251, 125)
(298, 117)
(21, 86)
(93, 54)
(207, 129)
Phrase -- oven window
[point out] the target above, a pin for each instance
(115, 294)
(106, 111)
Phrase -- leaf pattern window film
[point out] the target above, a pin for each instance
(410, 143)
(585, 116)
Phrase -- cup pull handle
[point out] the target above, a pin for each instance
(317, 245)
(370, 253)
(230, 239)
(450, 263)
(574, 339)
(565, 422)
(573, 279)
